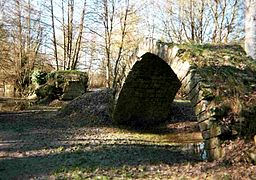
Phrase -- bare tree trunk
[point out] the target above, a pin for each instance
(107, 51)
(192, 20)
(20, 44)
(54, 37)
(250, 28)
(108, 26)
(79, 39)
(230, 24)
(70, 32)
(201, 22)
(29, 26)
(123, 24)
(215, 19)
(28, 52)
(37, 46)
(221, 27)
(64, 37)
(20, 48)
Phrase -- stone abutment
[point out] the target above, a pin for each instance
(194, 89)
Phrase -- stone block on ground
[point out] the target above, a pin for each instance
(72, 89)
(64, 85)
(147, 94)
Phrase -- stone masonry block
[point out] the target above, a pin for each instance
(163, 85)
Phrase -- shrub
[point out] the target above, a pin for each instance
(39, 77)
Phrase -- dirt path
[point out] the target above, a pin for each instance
(39, 145)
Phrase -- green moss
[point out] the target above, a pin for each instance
(229, 79)
(60, 74)
(221, 54)
(39, 77)
(61, 83)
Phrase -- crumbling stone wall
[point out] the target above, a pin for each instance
(147, 94)
(194, 89)
(220, 82)
(72, 83)
(72, 89)
(199, 93)
(64, 85)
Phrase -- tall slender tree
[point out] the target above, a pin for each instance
(54, 36)
(123, 30)
(78, 43)
(109, 8)
(69, 44)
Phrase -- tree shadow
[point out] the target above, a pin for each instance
(30, 130)
(91, 158)
(37, 130)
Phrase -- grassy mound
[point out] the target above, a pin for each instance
(230, 77)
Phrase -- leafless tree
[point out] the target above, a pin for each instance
(25, 33)
(54, 36)
(201, 21)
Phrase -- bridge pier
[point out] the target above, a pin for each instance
(195, 90)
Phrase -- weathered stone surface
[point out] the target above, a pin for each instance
(212, 143)
(147, 94)
(72, 89)
(212, 131)
(215, 153)
(217, 86)
(65, 85)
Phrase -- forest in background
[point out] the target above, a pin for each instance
(48, 46)
(99, 37)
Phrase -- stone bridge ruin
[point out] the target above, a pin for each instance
(191, 84)
(147, 94)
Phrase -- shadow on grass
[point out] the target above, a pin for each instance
(25, 131)
(31, 131)
(40, 129)
(91, 158)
